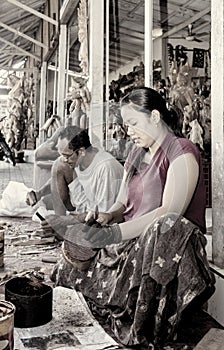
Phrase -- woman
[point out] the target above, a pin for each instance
(152, 265)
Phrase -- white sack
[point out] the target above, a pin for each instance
(13, 202)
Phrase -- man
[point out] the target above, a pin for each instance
(82, 176)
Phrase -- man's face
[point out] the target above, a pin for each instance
(67, 155)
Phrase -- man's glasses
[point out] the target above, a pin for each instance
(67, 156)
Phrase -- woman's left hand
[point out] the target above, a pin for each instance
(99, 237)
(93, 237)
(58, 224)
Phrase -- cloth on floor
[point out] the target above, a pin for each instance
(13, 202)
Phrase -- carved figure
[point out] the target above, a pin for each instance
(195, 135)
(83, 37)
(19, 123)
(79, 95)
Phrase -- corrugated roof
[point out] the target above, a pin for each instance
(126, 27)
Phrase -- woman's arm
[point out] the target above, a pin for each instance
(118, 208)
(115, 213)
(180, 185)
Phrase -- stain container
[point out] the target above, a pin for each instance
(32, 299)
(7, 311)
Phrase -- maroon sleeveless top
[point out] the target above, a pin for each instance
(145, 189)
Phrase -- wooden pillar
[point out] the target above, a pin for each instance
(96, 68)
(148, 43)
(55, 83)
(164, 25)
(62, 71)
(217, 125)
(107, 70)
(42, 109)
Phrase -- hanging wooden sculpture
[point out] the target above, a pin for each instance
(18, 125)
(83, 37)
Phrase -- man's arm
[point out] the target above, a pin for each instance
(47, 150)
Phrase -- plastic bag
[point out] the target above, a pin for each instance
(13, 202)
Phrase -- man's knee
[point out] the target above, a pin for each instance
(59, 167)
(61, 173)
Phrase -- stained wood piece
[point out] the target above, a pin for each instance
(213, 340)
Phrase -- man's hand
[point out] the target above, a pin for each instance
(31, 198)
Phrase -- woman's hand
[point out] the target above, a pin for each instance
(57, 225)
(99, 237)
(93, 237)
(103, 218)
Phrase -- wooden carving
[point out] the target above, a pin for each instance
(83, 37)
(18, 125)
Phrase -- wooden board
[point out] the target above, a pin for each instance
(213, 340)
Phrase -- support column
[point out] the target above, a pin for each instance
(42, 109)
(164, 26)
(217, 125)
(96, 69)
(55, 83)
(148, 43)
(62, 71)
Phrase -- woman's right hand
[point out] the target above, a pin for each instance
(103, 218)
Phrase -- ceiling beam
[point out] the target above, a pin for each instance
(202, 26)
(18, 69)
(67, 10)
(182, 25)
(26, 53)
(137, 34)
(34, 12)
(13, 53)
(4, 61)
(174, 12)
(38, 43)
(126, 55)
(126, 45)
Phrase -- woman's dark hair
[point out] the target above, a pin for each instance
(145, 100)
(76, 136)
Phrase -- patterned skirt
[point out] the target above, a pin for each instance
(142, 286)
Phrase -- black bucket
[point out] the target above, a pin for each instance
(32, 299)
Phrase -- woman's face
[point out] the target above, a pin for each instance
(140, 127)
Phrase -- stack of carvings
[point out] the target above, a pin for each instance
(18, 124)
(78, 93)
(79, 96)
(194, 104)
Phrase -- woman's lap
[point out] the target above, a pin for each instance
(145, 283)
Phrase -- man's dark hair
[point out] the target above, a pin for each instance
(76, 136)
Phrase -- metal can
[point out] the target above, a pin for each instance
(7, 311)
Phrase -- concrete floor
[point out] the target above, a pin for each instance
(22, 172)
(21, 258)
(15, 259)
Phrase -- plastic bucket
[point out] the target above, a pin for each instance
(7, 311)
